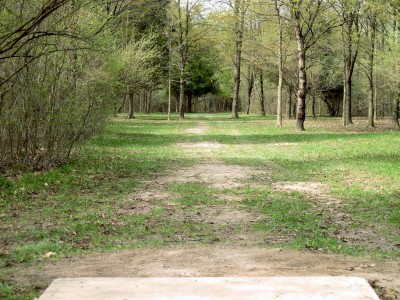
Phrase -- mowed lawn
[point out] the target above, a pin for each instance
(80, 207)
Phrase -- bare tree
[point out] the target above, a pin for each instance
(239, 11)
(349, 10)
(280, 65)
(310, 22)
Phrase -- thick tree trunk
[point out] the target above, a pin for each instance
(302, 81)
(249, 88)
(262, 97)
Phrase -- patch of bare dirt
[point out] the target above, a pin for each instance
(314, 190)
(217, 175)
(366, 238)
(197, 130)
(144, 201)
(224, 215)
(283, 144)
(229, 198)
(212, 261)
(200, 147)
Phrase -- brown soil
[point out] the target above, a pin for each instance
(211, 261)
(216, 174)
(314, 190)
(197, 130)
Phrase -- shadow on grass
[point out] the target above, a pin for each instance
(123, 139)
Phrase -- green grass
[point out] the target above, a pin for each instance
(80, 207)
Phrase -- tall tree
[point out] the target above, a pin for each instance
(250, 86)
(239, 11)
(311, 20)
(349, 11)
(396, 28)
(262, 97)
(371, 64)
(183, 32)
(280, 64)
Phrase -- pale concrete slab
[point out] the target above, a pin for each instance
(210, 288)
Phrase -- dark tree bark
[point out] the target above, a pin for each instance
(183, 53)
(371, 79)
(301, 59)
(262, 97)
(250, 85)
(130, 98)
(313, 106)
(288, 113)
(239, 13)
(351, 19)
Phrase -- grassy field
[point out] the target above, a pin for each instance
(81, 206)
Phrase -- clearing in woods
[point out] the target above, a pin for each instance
(212, 196)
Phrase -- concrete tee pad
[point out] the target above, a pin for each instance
(210, 288)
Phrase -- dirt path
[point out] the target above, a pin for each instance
(245, 258)
(213, 261)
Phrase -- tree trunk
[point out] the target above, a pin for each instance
(183, 51)
(262, 97)
(289, 104)
(149, 102)
(347, 97)
(371, 56)
(169, 97)
(122, 105)
(350, 18)
(130, 98)
(280, 69)
(313, 106)
(239, 24)
(395, 112)
(302, 88)
(182, 89)
(250, 86)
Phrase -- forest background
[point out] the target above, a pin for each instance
(68, 65)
